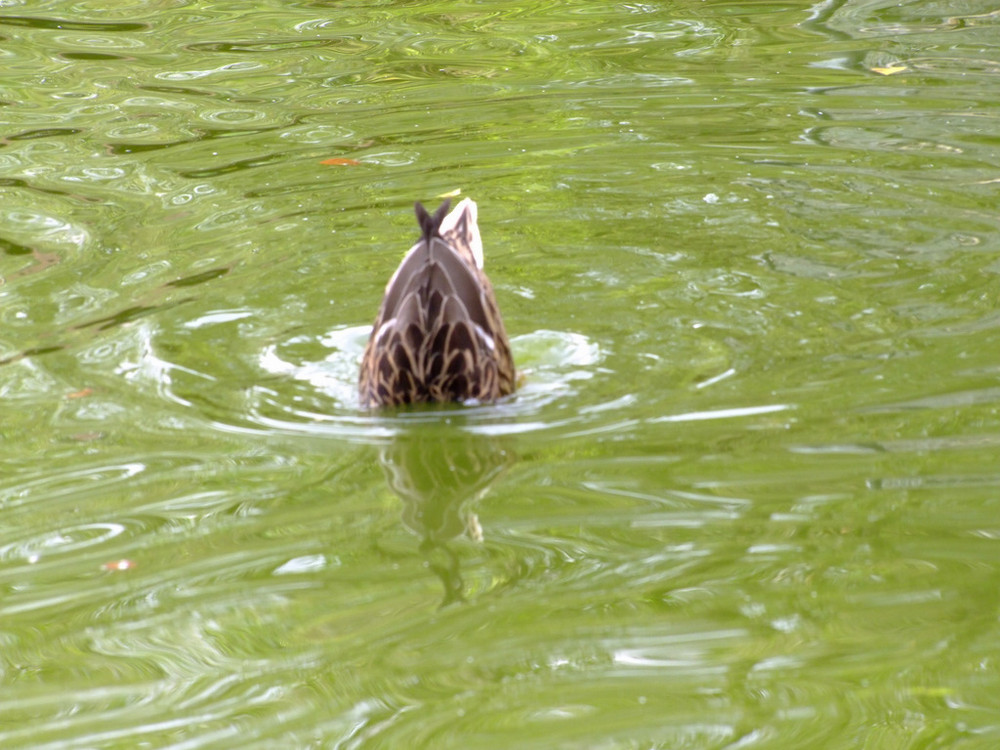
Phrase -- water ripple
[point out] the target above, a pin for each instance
(63, 540)
(552, 362)
(744, 497)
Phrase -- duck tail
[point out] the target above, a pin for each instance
(430, 225)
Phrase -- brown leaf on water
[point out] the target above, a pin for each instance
(82, 393)
(889, 70)
(339, 162)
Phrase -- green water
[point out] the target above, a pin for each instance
(748, 496)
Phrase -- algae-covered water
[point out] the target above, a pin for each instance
(747, 497)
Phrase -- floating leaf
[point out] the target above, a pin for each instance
(118, 565)
(889, 70)
(450, 194)
(340, 162)
(82, 393)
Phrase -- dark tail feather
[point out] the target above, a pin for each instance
(429, 225)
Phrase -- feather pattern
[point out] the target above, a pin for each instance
(438, 335)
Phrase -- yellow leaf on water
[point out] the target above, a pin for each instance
(450, 194)
(889, 70)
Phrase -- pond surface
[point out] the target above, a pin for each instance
(749, 493)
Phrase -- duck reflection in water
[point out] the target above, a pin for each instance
(439, 337)
(440, 472)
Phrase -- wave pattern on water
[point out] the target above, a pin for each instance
(745, 496)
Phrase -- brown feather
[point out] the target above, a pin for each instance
(438, 335)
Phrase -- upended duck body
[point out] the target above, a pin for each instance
(439, 335)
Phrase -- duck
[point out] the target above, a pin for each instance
(438, 336)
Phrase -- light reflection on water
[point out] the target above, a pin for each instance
(745, 497)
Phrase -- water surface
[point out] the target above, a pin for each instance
(746, 497)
